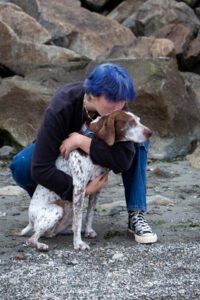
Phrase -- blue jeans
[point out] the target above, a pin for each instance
(134, 179)
(20, 167)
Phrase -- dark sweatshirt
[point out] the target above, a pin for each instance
(63, 116)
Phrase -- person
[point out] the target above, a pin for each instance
(107, 88)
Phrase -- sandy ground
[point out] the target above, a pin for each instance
(115, 267)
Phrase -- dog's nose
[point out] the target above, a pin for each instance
(147, 133)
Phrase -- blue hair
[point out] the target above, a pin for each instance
(111, 81)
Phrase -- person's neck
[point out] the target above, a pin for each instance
(89, 108)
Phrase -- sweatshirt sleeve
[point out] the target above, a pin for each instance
(49, 138)
(118, 157)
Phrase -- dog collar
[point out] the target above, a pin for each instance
(85, 130)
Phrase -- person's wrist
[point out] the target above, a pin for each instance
(80, 140)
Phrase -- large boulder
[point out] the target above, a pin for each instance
(192, 82)
(78, 29)
(124, 10)
(179, 34)
(20, 56)
(22, 105)
(25, 26)
(155, 14)
(164, 104)
(30, 7)
(56, 75)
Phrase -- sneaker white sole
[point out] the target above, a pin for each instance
(147, 238)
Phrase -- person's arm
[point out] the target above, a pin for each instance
(96, 184)
(75, 141)
(118, 157)
(44, 171)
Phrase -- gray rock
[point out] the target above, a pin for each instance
(26, 27)
(76, 28)
(5, 151)
(16, 98)
(154, 14)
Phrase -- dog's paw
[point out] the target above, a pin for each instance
(42, 247)
(91, 234)
(81, 246)
(39, 246)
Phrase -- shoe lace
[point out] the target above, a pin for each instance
(139, 223)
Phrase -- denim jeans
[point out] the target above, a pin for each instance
(20, 167)
(134, 179)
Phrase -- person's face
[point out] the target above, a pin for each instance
(104, 107)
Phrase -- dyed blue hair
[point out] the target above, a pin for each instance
(111, 81)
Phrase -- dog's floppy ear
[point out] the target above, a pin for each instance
(107, 130)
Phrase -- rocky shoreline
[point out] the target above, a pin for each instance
(115, 267)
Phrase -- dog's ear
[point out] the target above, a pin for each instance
(107, 130)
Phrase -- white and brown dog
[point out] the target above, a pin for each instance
(48, 214)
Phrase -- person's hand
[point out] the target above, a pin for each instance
(97, 184)
(70, 144)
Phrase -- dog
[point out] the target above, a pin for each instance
(48, 214)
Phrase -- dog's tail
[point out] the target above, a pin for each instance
(26, 229)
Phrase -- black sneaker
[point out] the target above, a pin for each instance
(138, 226)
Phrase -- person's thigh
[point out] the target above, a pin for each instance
(20, 167)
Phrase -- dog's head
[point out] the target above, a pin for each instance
(120, 126)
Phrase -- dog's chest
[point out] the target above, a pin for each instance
(79, 166)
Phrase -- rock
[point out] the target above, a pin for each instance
(5, 151)
(11, 190)
(22, 106)
(192, 82)
(111, 208)
(30, 7)
(155, 14)
(118, 256)
(124, 9)
(3, 214)
(25, 27)
(74, 27)
(179, 34)
(55, 75)
(20, 56)
(192, 56)
(161, 173)
(159, 200)
(194, 158)
(143, 47)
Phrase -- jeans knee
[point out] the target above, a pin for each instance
(17, 170)
(21, 173)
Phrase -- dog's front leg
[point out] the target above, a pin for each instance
(89, 231)
(78, 199)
